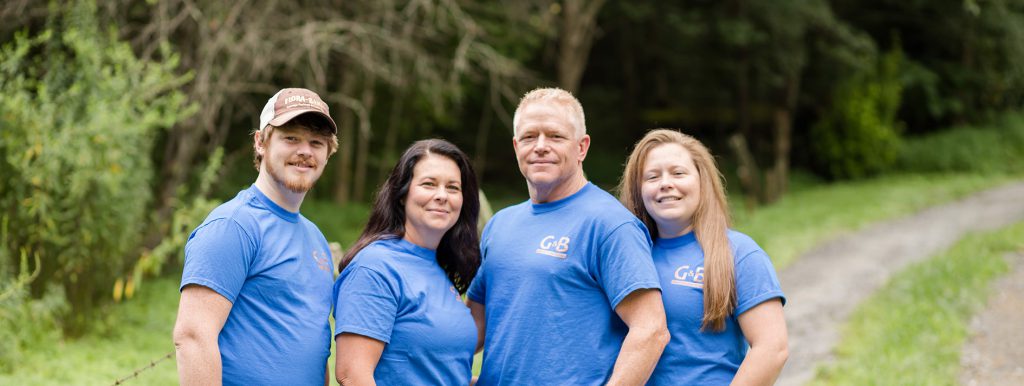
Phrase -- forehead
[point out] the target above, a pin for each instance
(544, 115)
(301, 131)
(668, 154)
(436, 166)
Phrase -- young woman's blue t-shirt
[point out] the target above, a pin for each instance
(395, 292)
(695, 357)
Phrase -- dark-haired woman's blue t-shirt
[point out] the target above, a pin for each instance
(395, 292)
(695, 357)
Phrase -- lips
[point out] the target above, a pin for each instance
(303, 164)
(541, 160)
(668, 199)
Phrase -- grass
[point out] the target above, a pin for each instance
(338, 223)
(912, 330)
(994, 146)
(137, 332)
(808, 216)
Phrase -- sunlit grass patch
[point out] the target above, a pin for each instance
(133, 334)
(912, 330)
(807, 217)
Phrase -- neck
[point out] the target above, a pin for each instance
(555, 192)
(279, 194)
(428, 241)
(668, 231)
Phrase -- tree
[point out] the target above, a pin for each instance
(80, 117)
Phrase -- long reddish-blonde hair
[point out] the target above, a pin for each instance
(710, 220)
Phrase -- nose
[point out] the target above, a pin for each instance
(664, 183)
(305, 149)
(542, 144)
(441, 195)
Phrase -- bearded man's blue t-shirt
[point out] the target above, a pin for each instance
(275, 268)
(394, 291)
(692, 356)
(551, 277)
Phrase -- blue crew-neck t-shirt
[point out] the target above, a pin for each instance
(693, 357)
(551, 277)
(395, 292)
(276, 269)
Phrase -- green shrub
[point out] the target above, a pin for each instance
(860, 136)
(23, 319)
(78, 119)
(994, 147)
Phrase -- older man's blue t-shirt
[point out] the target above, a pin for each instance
(551, 277)
(695, 357)
(276, 269)
(395, 292)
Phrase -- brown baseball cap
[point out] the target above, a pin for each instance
(292, 102)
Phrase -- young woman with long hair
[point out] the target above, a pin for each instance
(400, 319)
(720, 290)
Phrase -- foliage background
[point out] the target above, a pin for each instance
(123, 122)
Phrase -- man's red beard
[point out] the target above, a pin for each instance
(299, 184)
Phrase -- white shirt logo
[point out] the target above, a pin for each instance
(689, 277)
(551, 247)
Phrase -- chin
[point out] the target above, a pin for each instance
(541, 178)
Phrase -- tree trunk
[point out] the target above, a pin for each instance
(343, 173)
(748, 172)
(363, 144)
(483, 131)
(778, 178)
(390, 153)
(579, 25)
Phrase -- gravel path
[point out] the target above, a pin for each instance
(994, 352)
(827, 283)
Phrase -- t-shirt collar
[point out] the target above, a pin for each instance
(415, 250)
(675, 242)
(273, 207)
(553, 205)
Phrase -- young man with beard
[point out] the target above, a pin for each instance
(256, 288)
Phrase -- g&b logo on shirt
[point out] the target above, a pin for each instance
(686, 276)
(323, 261)
(554, 247)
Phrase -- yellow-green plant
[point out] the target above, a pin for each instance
(78, 119)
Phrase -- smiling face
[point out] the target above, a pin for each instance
(294, 157)
(549, 149)
(670, 188)
(434, 201)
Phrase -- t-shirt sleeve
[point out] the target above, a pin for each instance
(625, 264)
(218, 255)
(477, 291)
(366, 303)
(756, 281)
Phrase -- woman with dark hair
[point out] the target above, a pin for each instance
(400, 319)
(722, 297)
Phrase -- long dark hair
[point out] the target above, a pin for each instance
(459, 251)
